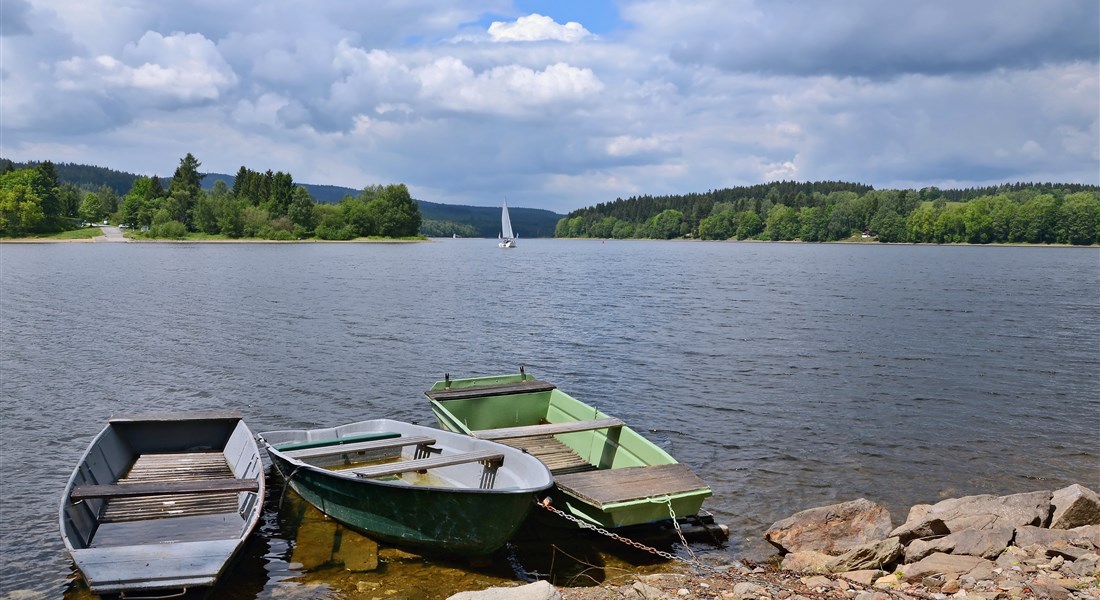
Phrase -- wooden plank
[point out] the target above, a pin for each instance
(607, 486)
(483, 391)
(161, 488)
(305, 453)
(548, 429)
(424, 464)
(553, 453)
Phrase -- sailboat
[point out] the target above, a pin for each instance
(507, 237)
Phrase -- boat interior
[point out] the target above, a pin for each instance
(592, 455)
(162, 482)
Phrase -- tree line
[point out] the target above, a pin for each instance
(831, 211)
(259, 205)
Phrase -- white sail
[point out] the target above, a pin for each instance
(506, 223)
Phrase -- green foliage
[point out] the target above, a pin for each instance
(446, 229)
(21, 202)
(300, 210)
(169, 229)
(665, 225)
(91, 208)
(813, 224)
(782, 223)
(393, 212)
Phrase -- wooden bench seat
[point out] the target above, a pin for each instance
(482, 391)
(547, 429)
(424, 464)
(163, 488)
(360, 447)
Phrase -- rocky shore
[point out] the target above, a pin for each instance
(1040, 544)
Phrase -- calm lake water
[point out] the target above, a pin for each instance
(788, 375)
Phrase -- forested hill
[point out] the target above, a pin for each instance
(1029, 213)
(698, 205)
(438, 219)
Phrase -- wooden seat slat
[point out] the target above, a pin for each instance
(548, 429)
(162, 488)
(424, 464)
(324, 451)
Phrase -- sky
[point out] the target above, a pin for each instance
(560, 104)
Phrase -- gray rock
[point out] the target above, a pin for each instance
(831, 529)
(944, 563)
(986, 543)
(540, 590)
(648, 592)
(1078, 536)
(873, 555)
(1075, 506)
(1086, 566)
(745, 590)
(918, 549)
(809, 561)
(979, 512)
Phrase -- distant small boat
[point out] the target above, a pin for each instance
(412, 486)
(161, 503)
(507, 236)
(604, 472)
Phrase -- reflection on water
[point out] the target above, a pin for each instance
(309, 555)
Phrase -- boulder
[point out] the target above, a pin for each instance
(540, 590)
(1075, 506)
(873, 555)
(1088, 535)
(978, 512)
(831, 529)
(918, 549)
(940, 563)
(986, 543)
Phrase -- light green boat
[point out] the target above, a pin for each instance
(604, 472)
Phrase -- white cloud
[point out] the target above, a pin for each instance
(687, 96)
(535, 28)
(183, 67)
(625, 145)
(508, 90)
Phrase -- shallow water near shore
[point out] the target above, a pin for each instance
(787, 375)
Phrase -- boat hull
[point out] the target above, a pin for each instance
(474, 406)
(437, 517)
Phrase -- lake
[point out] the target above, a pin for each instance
(787, 375)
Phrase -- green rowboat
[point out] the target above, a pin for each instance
(412, 486)
(604, 472)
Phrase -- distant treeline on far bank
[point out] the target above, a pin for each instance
(1029, 213)
(35, 200)
(259, 205)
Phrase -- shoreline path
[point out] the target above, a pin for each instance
(110, 234)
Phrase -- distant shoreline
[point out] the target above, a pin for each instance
(101, 240)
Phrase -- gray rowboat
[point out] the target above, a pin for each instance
(162, 502)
